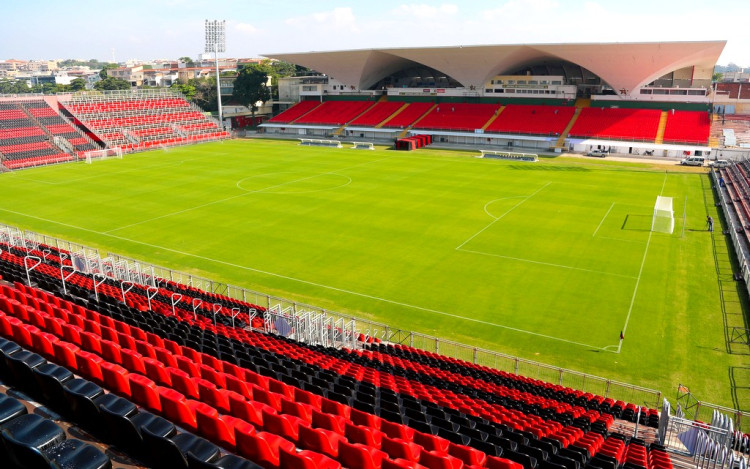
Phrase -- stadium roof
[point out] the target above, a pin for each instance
(624, 66)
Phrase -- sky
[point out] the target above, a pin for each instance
(153, 29)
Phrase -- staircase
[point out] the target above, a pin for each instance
(341, 129)
(492, 119)
(383, 98)
(583, 102)
(660, 130)
(176, 129)
(303, 115)
(564, 135)
(406, 130)
(131, 137)
(398, 111)
(64, 145)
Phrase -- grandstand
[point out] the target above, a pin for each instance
(179, 368)
(57, 129)
(32, 133)
(544, 97)
(142, 119)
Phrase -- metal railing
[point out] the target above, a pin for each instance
(734, 232)
(355, 331)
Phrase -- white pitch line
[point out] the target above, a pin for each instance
(306, 282)
(245, 193)
(548, 264)
(603, 218)
(638, 281)
(497, 200)
(501, 216)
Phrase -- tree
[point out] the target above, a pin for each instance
(185, 88)
(717, 76)
(103, 71)
(77, 84)
(250, 87)
(188, 61)
(283, 69)
(13, 87)
(205, 93)
(111, 83)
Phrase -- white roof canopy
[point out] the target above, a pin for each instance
(624, 66)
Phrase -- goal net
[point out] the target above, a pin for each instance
(102, 154)
(663, 220)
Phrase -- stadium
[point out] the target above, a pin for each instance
(412, 264)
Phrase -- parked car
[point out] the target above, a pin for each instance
(597, 153)
(719, 163)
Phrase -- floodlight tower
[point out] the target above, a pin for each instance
(216, 42)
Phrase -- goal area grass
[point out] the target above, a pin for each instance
(548, 260)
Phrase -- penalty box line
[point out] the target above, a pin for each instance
(458, 248)
(307, 282)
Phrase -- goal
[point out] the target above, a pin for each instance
(663, 220)
(102, 154)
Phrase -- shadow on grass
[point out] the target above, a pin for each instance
(636, 222)
(739, 379)
(736, 314)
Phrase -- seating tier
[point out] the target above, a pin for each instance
(406, 117)
(617, 124)
(142, 122)
(334, 112)
(377, 113)
(295, 112)
(691, 127)
(537, 120)
(458, 117)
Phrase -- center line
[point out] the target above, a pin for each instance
(236, 197)
(501, 216)
(604, 218)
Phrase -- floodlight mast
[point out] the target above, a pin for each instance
(216, 42)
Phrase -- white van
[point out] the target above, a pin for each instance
(693, 161)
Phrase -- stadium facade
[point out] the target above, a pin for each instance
(650, 71)
(657, 76)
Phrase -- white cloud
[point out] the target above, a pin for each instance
(246, 28)
(424, 11)
(517, 9)
(338, 19)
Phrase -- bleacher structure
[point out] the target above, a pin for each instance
(32, 133)
(543, 127)
(41, 130)
(173, 376)
(141, 119)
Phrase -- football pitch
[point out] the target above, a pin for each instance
(549, 261)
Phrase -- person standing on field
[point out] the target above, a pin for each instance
(710, 222)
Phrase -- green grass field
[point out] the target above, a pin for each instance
(548, 261)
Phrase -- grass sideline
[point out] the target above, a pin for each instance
(548, 261)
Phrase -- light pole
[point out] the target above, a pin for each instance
(216, 42)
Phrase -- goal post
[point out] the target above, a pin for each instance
(663, 221)
(92, 155)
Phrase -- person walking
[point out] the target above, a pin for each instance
(710, 222)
